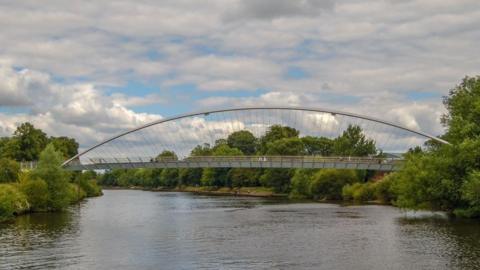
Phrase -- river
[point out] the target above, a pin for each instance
(131, 229)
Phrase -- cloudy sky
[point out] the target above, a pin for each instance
(89, 69)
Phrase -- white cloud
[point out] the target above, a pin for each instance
(359, 56)
(76, 110)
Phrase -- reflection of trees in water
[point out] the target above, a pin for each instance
(29, 231)
(455, 239)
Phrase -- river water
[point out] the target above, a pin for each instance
(128, 229)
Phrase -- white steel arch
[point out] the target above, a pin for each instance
(255, 114)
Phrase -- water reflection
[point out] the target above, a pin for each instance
(147, 230)
(456, 240)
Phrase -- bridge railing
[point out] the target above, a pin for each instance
(265, 158)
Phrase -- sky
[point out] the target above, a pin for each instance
(90, 69)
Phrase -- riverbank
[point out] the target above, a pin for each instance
(225, 191)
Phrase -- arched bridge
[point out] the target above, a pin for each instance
(140, 147)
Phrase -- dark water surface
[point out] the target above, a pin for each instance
(149, 230)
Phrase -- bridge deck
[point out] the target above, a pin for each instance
(314, 162)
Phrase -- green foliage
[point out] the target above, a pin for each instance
(12, 201)
(27, 142)
(169, 177)
(35, 190)
(67, 146)
(9, 170)
(471, 194)
(49, 169)
(167, 155)
(244, 141)
(276, 132)
(353, 142)
(201, 150)
(301, 184)
(383, 189)
(318, 145)
(286, 146)
(190, 176)
(425, 183)
(328, 183)
(279, 179)
(244, 177)
(75, 193)
(463, 111)
(359, 192)
(87, 182)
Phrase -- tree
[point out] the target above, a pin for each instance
(444, 177)
(243, 140)
(279, 179)
(30, 142)
(318, 145)
(301, 183)
(353, 142)
(166, 154)
(86, 181)
(9, 170)
(328, 183)
(190, 176)
(201, 150)
(463, 111)
(169, 177)
(67, 146)
(12, 201)
(277, 132)
(36, 191)
(49, 169)
(244, 177)
(219, 176)
(286, 147)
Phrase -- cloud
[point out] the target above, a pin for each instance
(360, 56)
(271, 9)
(76, 110)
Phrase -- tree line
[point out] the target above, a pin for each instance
(48, 187)
(278, 140)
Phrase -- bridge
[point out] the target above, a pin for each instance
(140, 147)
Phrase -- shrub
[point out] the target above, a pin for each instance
(328, 183)
(12, 201)
(9, 170)
(301, 184)
(383, 189)
(471, 194)
(75, 193)
(88, 185)
(36, 192)
(49, 169)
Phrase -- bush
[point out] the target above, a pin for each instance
(12, 201)
(471, 194)
(75, 193)
(9, 170)
(383, 189)
(36, 192)
(88, 185)
(49, 169)
(359, 192)
(328, 183)
(301, 184)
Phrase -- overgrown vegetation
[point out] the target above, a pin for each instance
(48, 187)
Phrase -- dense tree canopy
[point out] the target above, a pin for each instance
(445, 177)
(244, 141)
(353, 142)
